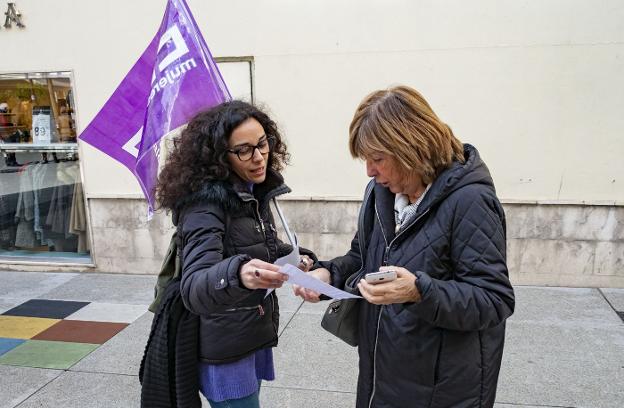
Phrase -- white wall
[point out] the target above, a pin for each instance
(536, 85)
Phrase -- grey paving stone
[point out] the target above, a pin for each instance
(310, 358)
(29, 285)
(123, 353)
(563, 365)
(10, 303)
(615, 298)
(274, 397)
(288, 302)
(87, 390)
(563, 307)
(315, 308)
(285, 318)
(18, 383)
(108, 288)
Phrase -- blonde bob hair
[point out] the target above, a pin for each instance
(400, 123)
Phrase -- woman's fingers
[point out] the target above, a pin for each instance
(257, 274)
(378, 294)
(401, 290)
(267, 279)
(398, 269)
(257, 263)
(267, 275)
(305, 263)
(373, 290)
(297, 290)
(306, 294)
(312, 296)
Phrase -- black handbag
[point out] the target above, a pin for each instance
(342, 316)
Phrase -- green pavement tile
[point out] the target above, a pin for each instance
(47, 354)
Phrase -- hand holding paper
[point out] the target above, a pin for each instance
(310, 295)
(306, 280)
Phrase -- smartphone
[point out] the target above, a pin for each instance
(379, 277)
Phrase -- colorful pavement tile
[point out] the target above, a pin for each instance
(78, 331)
(108, 312)
(19, 327)
(57, 334)
(9, 344)
(47, 354)
(51, 309)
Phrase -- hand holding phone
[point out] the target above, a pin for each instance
(380, 277)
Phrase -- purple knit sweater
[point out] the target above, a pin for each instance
(220, 382)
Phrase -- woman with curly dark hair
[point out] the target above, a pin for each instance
(218, 181)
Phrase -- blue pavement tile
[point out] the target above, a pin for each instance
(9, 344)
(50, 309)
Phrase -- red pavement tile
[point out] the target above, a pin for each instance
(78, 331)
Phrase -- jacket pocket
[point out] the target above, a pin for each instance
(235, 332)
(458, 373)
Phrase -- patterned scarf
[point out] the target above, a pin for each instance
(404, 211)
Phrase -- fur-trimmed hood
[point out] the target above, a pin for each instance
(232, 194)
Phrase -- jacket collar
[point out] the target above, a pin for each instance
(271, 187)
(458, 175)
(233, 193)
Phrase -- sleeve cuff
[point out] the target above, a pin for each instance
(424, 284)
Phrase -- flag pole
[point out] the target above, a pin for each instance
(289, 234)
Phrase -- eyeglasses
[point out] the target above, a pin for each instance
(246, 152)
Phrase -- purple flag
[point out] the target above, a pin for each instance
(174, 79)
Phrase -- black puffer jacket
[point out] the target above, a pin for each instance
(446, 350)
(222, 227)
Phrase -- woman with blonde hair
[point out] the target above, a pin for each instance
(434, 336)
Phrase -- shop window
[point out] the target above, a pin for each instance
(42, 206)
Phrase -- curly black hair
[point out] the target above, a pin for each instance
(199, 153)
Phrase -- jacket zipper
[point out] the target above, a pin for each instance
(385, 263)
(262, 227)
(236, 309)
(370, 402)
(387, 250)
(411, 223)
(260, 218)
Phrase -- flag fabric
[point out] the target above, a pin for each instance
(174, 79)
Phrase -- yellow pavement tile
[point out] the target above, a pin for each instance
(18, 327)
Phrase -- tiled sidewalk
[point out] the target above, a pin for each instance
(45, 333)
(76, 340)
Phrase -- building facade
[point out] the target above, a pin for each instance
(535, 86)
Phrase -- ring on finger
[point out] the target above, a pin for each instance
(257, 273)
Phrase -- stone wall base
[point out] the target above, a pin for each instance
(548, 245)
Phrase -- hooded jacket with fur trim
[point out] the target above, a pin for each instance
(222, 227)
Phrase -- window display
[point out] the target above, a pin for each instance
(42, 205)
